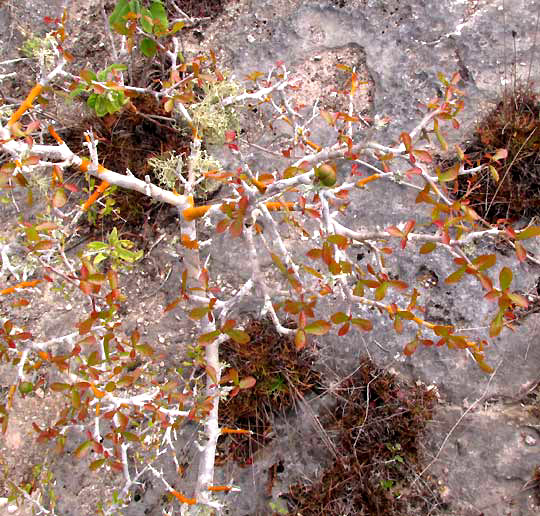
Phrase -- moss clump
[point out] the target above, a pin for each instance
(282, 374)
(378, 422)
(510, 189)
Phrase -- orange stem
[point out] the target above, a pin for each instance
(55, 135)
(367, 180)
(85, 164)
(278, 206)
(95, 195)
(194, 213)
(26, 105)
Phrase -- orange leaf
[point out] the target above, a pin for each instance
(97, 393)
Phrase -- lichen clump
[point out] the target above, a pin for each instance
(168, 167)
(42, 48)
(211, 118)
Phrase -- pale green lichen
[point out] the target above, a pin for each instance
(5, 112)
(167, 168)
(211, 118)
(42, 48)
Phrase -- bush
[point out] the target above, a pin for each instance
(111, 382)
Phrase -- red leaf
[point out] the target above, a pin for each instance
(521, 252)
(410, 347)
(237, 227)
(344, 330)
(222, 225)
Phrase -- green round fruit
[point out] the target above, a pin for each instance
(26, 387)
(326, 174)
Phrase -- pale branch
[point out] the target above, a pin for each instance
(361, 236)
(256, 95)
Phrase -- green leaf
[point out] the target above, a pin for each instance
(82, 449)
(130, 436)
(300, 340)
(95, 465)
(113, 236)
(177, 26)
(530, 232)
(117, 19)
(496, 325)
(207, 338)
(99, 258)
(505, 278)
(247, 383)
(339, 318)
(128, 256)
(494, 174)
(59, 387)
(97, 246)
(93, 359)
(147, 22)
(428, 247)
(319, 327)
(148, 47)
(380, 291)
(199, 312)
(450, 174)
(26, 387)
(91, 102)
(159, 14)
(358, 289)
(442, 141)
(518, 300)
(455, 276)
(88, 75)
(278, 262)
(101, 106)
(239, 336)
(339, 240)
(145, 349)
(365, 324)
